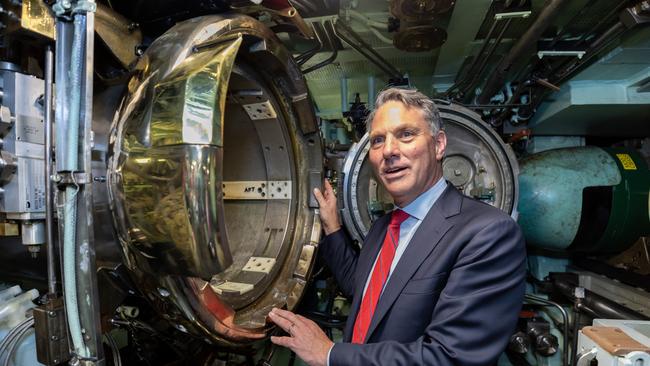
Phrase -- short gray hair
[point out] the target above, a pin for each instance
(411, 98)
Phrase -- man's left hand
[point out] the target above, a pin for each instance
(306, 339)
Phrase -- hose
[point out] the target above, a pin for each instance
(13, 338)
(115, 350)
(70, 209)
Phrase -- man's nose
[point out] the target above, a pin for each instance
(391, 148)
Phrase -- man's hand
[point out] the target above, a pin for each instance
(329, 213)
(307, 340)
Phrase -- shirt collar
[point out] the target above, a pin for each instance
(421, 205)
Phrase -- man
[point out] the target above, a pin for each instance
(440, 281)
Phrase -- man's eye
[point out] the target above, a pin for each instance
(376, 141)
(407, 134)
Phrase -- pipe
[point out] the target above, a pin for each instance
(332, 57)
(380, 36)
(486, 42)
(371, 92)
(49, 212)
(70, 208)
(305, 56)
(489, 54)
(533, 33)
(594, 49)
(365, 50)
(602, 306)
(344, 94)
(365, 20)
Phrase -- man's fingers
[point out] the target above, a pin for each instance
(328, 188)
(284, 314)
(319, 197)
(282, 341)
(280, 321)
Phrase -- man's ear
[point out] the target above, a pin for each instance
(440, 140)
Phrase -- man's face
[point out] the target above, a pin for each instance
(404, 154)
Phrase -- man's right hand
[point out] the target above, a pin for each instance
(329, 213)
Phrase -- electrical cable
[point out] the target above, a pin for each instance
(115, 350)
(13, 338)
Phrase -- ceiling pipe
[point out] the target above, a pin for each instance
(523, 46)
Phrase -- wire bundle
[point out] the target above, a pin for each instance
(14, 338)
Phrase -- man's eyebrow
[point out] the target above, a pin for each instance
(407, 127)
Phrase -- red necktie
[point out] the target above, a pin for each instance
(378, 277)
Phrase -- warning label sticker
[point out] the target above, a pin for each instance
(626, 160)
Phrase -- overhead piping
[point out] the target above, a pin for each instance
(543, 21)
(358, 44)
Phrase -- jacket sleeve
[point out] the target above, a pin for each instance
(337, 252)
(476, 312)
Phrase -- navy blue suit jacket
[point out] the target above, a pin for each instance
(453, 298)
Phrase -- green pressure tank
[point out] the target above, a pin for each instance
(584, 199)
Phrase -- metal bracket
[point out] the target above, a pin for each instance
(257, 111)
(259, 264)
(51, 333)
(578, 54)
(63, 179)
(257, 190)
(514, 14)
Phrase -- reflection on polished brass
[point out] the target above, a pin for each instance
(169, 171)
(120, 35)
(194, 94)
(38, 18)
(210, 203)
(167, 216)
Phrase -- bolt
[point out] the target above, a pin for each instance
(51, 314)
(100, 179)
(456, 172)
(54, 338)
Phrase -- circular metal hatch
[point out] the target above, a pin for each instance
(210, 166)
(476, 162)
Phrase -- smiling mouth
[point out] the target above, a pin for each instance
(393, 171)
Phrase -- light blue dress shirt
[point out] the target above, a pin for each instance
(417, 210)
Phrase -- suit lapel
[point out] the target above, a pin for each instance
(372, 244)
(426, 238)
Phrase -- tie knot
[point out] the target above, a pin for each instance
(398, 217)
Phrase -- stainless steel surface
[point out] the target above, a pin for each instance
(49, 202)
(476, 162)
(208, 177)
(33, 232)
(22, 148)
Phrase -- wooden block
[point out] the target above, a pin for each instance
(614, 340)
